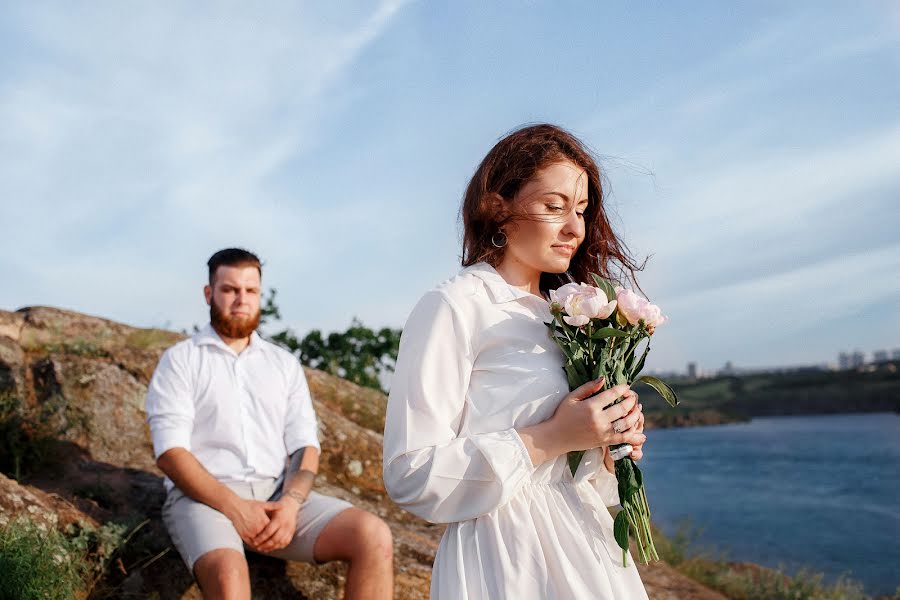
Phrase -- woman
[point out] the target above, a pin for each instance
(480, 417)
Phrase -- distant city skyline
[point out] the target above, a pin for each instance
(844, 360)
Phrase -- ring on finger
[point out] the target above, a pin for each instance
(616, 425)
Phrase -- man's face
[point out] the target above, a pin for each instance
(234, 301)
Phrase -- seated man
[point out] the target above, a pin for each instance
(234, 430)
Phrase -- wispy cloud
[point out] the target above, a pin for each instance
(760, 210)
(143, 133)
(774, 318)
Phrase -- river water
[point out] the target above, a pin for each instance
(821, 492)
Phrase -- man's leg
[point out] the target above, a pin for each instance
(365, 542)
(209, 545)
(223, 573)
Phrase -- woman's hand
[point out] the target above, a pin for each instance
(637, 452)
(581, 423)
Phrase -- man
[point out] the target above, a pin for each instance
(234, 430)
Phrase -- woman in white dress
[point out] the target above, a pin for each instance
(480, 416)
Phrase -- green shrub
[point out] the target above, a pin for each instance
(772, 584)
(42, 563)
(741, 581)
(39, 563)
(675, 549)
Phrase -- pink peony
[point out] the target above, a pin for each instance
(582, 303)
(631, 306)
(634, 308)
(653, 316)
(560, 294)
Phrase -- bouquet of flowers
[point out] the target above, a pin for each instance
(599, 329)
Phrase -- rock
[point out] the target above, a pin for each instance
(40, 507)
(11, 325)
(364, 406)
(665, 583)
(86, 377)
(11, 358)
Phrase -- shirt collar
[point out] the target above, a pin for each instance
(207, 336)
(498, 289)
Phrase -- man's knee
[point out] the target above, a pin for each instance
(222, 569)
(374, 536)
(355, 535)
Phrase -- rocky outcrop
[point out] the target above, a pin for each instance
(76, 384)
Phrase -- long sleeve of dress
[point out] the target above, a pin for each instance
(429, 468)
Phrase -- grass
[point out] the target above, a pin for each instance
(742, 581)
(39, 562)
(76, 347)
(773, 584)
(150, 339)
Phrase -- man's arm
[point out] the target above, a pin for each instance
(298, 481)
(301, 473)
(182, 467)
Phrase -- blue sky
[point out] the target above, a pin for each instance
(753, 150)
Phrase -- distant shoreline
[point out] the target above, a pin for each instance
(720, 419)
(736, 399)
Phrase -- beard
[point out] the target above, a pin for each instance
(232, 327)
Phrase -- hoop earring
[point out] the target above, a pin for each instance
(501, 242)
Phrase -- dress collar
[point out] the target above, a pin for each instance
(498, 289)
(207, 336)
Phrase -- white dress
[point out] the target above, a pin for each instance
(476, 361)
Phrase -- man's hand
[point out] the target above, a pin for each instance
(282, 525)
(249, 518)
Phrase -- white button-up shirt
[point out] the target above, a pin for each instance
(241, 415)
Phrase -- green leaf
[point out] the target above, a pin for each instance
(583, 374)
(631, 361)
(618, 375)
(574, 459)
(621, 529)
(566, 328)
(640, 365)
(608, 332)
(628, 485)
(638, 476)
(663, 389)
(604, 355)
(571, 375)
(604, 285)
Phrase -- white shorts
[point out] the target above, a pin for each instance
(196, 528)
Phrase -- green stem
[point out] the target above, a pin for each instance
(632, 522)
(590, 348)
(563, 326)
(636, 521)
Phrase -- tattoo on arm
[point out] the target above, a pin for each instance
(295, 475)
(300, 498)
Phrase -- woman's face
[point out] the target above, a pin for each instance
(547, 237)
